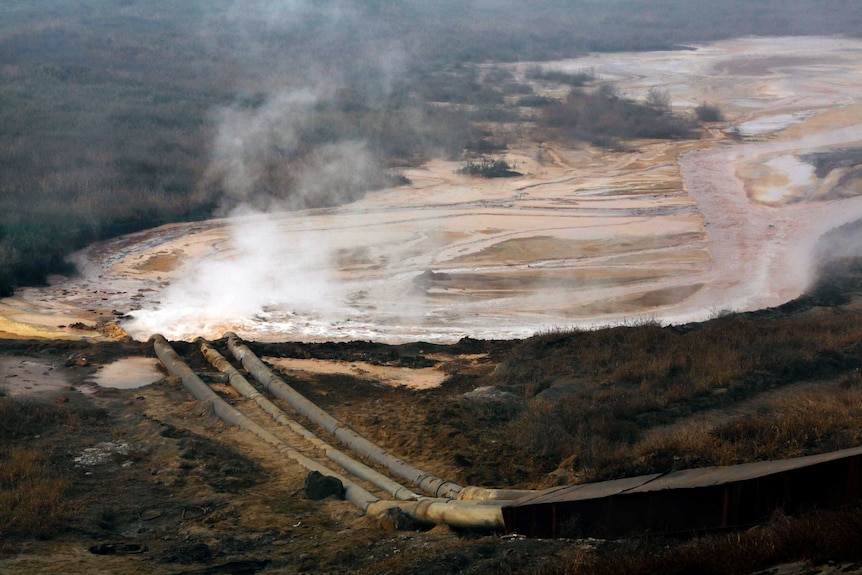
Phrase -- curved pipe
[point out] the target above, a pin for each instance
(427, 482)
(356, 468)
(461, 514)
(453, 513)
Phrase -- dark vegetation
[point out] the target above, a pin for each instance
(602, 117)
(708, 113)
(579, 78)
(110, 112)
(489, 168)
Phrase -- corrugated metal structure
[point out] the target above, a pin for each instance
(691, 500)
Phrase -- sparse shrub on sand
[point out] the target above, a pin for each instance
(489, 168)
(709, 113)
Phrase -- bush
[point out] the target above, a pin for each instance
(709, 113)
(602, 117)
(489, 168)
(578, 78)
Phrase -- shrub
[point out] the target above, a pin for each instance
(603, 116)
(489, 168)
(709, 113)
(577, 78)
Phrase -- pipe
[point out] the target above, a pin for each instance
(354, 493)
(460, 514)
(427, 482)
(473, 493)
(453, 513)
(352, 466)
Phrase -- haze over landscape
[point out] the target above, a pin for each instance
(571, 242)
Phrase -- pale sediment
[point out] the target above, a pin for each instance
(673, 230)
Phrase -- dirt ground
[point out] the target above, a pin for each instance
(165, 487)
(162, 486)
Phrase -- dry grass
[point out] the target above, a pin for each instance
(802, 424)
(34, 487)
(625, 381)
(816, 538)
(33, 498)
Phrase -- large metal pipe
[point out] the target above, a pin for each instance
(352, 466)
(354, 493)
(460, 514)
(474, 493)
(427, 482)
(427, 510)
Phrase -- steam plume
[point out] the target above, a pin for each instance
(270, 154)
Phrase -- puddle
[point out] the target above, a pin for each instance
(129, 373)
(27, 376)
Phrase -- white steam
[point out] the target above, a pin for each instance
(248, 140)
(260, 269)
(273, 151)
(259, 158)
